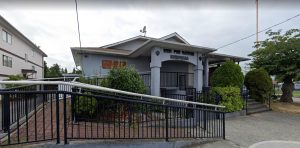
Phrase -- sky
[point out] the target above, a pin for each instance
(52, 25)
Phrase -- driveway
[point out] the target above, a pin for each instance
(248, 130)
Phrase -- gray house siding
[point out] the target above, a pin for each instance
(92, 64)
(174, 66)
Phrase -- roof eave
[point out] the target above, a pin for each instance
(7, 24)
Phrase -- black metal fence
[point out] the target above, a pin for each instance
(90, 114)
(181, 80)
(205, 96)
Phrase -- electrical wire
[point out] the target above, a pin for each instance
(259, 31)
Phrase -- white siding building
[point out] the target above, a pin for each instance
(18, 55)
(166, 64)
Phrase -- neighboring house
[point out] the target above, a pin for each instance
(169, 63)
(297, 85)
(18, 55)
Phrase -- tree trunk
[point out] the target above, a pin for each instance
(287, 90)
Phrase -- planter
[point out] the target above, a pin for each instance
(235, 114)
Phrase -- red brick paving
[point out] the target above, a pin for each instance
(90, 130)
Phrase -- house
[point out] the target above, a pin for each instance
(19, 55)
(168, 63)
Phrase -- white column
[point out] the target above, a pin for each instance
(198, 74)
(155, 71)
(206, 72)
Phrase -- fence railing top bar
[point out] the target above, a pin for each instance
(57, 78)
(88, 86)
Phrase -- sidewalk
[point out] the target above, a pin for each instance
(248, 130)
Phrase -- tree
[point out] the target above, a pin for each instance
(259, 84)
(280, 55)
(229, 74)
(54, 71)
(46, 69)
(76, 71)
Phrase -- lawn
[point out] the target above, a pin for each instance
(296, 93)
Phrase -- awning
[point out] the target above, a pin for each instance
(26, 71)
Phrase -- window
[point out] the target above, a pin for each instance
(188, 53)
(6, 37)
(7, 61)
(167, 50)
(33, 68)
(33, 53)
(26, 57)
(177, 51)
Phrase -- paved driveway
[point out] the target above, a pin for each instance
(248, 130)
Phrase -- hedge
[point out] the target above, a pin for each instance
(230, 98)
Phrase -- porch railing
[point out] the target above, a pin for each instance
(181, 80)
(93, 112)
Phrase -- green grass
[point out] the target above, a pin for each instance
(296, 93)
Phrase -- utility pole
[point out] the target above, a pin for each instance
(256, 20)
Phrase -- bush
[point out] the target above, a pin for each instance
(126, 79)
(14, 78)
(259, 84)
(85, 106)
(229, 74)
(230, 98)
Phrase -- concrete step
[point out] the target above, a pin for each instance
(253, 103)
(257, 110)
(250, 100)
(255, 106)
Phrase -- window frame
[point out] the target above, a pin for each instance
(177, 52)
(6, 37)
(188, 53)
(6, 61)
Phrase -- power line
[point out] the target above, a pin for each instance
(259, 31)
(78, 25)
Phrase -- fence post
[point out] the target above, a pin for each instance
(6, 115)
(167, 123)
(65, 119)
(73, 113)
(247, 95)
(57, 118)
(205, 119)
(270, 102)
(223, 125)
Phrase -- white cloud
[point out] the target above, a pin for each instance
(55, 30)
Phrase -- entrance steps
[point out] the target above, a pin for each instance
(255, 107)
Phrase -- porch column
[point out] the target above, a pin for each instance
(198, 74)
(206, 72)
(155, 71)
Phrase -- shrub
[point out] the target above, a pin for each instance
(259, 84)
(85, 106)
(14, 78)
(126, 79)
(230, 98)
(229, 74)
